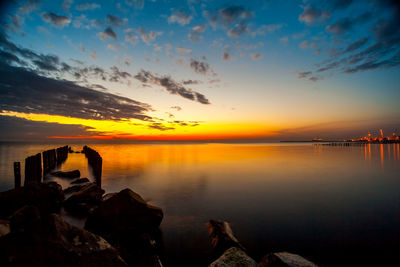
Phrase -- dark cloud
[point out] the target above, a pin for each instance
(172, 86)
(160, 126)
(201, 67)
(195, 33)
(356, 44)
(236, 18)
(117, 75)
(178, 108)
(58, 21)
(340, 4)
(226, 57)
(180, 17)
(148, 37)
(114, 20)
(188, 82)
(18, 129)
(304, 74)
(311, 15)
(87, 6)
(24, 91)
(329, 66)
(108, 33)
(346, 24)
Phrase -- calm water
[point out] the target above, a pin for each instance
(333, 205)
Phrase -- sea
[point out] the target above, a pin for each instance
(334, 205)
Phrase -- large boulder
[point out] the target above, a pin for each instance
(68, 174)
(125, 211)
(54, 242)
(85, 199)
(222, 237)
(234, 257)
(47, 197)
(285, 259)
(24, 218)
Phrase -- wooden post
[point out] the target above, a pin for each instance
(17, 174)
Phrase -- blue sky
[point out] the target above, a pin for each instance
(278, 68)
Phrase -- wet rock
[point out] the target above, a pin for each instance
(130, 224)
(4, 227)
(72, 189)
(125, 211)
(46, 197)
(80, 181)
(24, 218)
(234, 257)
(222, 237)
(84, 200)
(285, 259)
(54, 242)
(70, 174)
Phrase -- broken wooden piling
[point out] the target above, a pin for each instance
(96, 163)
(33, 169)
(17, 174)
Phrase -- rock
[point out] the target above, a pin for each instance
(222, 237)
(234, 257)
(70, 174)
(54, 242)
(125, 211)
(80, 181)
(72, 189)
(24, 218)
(84, 200)
(46, 197)
(285, 259)
(4, 227)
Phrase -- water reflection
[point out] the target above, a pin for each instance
(323, 202)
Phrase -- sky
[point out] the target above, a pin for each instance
(199, 70)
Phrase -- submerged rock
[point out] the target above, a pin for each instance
(125, 211)
(234, 257)
(285, 259)
(85, 199)
(47, 197)
(80, 181)
(69, 174)
(54, 242)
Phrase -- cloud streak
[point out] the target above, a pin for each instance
(171, 86)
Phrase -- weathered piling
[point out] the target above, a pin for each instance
(62, 154)
(95, 161)
(17, 174)
(49, 160)
(33, 169)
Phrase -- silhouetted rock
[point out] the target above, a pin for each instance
(72, 189)
(125, 211)
(285, 259)
(4, 227)
(24, 218)
(234, 257)
(126, 221)
(46, 197)
(222, 237)
(80, 181)
(54, 242)
(84, 200)
(70, 174)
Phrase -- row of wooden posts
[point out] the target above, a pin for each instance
(33, 165)
(95, 162)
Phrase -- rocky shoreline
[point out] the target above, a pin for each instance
(120, 229)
